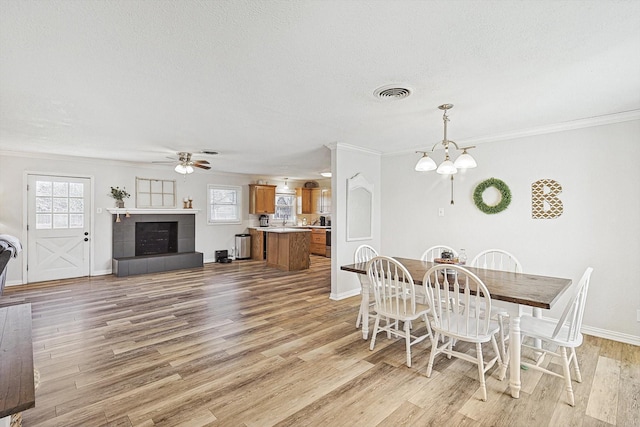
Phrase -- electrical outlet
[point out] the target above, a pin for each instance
(98, 210)
(440, 211)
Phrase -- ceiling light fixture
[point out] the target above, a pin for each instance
(286, 187)
(184, 168)
(326, 174)
(447, 167)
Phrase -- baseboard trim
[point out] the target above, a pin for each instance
(345, 295)
(611, 335)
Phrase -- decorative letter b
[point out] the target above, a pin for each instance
(546, 205)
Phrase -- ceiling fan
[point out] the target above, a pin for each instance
(186, 165)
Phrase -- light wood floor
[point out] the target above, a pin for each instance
(241, 344)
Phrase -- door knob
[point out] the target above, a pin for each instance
(86, 239)
(86, 233)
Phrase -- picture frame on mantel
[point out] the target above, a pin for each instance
(359, 208)
(155, 193)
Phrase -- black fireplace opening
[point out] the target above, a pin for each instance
(153, 238)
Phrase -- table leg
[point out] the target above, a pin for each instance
(514, 354)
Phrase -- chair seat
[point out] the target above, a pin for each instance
(469, 324)
(421, 310)
(543, 329)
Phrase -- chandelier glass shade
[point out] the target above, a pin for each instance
(447, 167)
(184, 169)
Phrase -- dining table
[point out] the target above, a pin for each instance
(516, 289)
(17, 391)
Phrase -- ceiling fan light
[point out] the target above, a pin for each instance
(465, 161)
(181, 169)
(189, 169)
(447, 168)
(425, 163)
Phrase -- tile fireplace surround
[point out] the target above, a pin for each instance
(126, 263)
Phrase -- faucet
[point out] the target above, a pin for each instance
(284, 220)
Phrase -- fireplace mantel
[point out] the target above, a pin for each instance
(136, 211)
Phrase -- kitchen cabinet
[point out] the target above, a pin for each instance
(323, 200)
(288, 251)
(318, 244)
(304, 198)
(262, 199)
(258, 247)
(313, 201)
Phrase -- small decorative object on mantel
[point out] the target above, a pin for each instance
(187, 203)
(119, 195)
(539, 197)
(505, 196)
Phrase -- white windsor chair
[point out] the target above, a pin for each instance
(565, 334)
(462, 288)
(396, 301)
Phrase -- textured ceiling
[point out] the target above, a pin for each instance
(269, 84)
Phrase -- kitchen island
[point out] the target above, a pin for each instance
(288, 248)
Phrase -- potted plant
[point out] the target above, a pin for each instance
(119, 195)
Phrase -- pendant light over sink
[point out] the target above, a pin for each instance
(447, 167)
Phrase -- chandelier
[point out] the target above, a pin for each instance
(447, 167)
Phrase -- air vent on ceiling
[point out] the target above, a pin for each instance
(392, 92)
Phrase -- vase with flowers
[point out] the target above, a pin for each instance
(119, 195)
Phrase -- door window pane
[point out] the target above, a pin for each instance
(60, 205)
(76, 221)
(43, 221)
(60, 221)
(76, 189)
(43, 188)
(43, 204)
(61, 189)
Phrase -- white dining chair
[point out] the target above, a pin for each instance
(499, 259)
(563, 334)
(396, 301)
(463, 288)
(363, 254)
(435, 252)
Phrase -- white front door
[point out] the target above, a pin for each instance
(59, 218)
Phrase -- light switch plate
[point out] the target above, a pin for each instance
(440, 211)
(98, 210)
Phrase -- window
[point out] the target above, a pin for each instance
(59, 205)
(285, 207)
(224, 204)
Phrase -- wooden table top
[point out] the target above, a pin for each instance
(17, 391)
(519, 288)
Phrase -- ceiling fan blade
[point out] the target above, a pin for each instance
(165, 162)
(201, 162)
(201, 166)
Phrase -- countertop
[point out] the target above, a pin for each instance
(284, 230)
(291, 228)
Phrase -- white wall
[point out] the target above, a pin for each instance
(105, 174)
(347, 161)
(600, 226)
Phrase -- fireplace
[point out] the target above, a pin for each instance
(153, 238)
(154, 242)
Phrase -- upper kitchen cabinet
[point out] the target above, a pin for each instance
(324, 201)
(304, 198)
(313, 200)
(262, 199)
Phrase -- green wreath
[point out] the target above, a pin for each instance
(505, 196)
